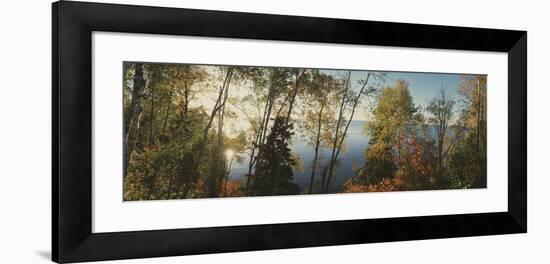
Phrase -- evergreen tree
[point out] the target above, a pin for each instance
(273, 175)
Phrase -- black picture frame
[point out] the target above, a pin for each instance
(72, 27)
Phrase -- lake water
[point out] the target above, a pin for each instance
(356, 143)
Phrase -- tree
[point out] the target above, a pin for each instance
(349, 100)
(270, 84)
(379, 164)
(163, 152)
(218, 162)
(250, 106)
(274, 169)
(393, 125)
(300, 75)
(133, 114)
(318, 114)
(231, 75)
(440, 109)
(394, 110)
(186, 127)
(468, 158)
(473, 89)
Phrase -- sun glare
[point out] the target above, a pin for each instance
(229, 154)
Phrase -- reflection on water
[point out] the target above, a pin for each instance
(356, 143)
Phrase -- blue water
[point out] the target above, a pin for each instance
(355, 144)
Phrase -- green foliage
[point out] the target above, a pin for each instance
(468, 160)
(468, 165)
(186, 126)
(394, 116)
(379, 164)
(410, 152)
(393, 113)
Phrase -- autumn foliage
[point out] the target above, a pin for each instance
(186, 127)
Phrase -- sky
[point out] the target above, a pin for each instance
(423, 87)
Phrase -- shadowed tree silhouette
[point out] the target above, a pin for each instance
(273, 175)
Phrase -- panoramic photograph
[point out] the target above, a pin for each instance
(213, 131)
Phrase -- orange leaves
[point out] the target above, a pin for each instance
(231, 189)
(350, 187)
(152, 148)
(421, 162)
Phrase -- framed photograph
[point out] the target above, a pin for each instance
(179, 131)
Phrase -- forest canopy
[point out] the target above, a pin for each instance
(204, 131)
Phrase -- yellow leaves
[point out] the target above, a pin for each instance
(385, 185)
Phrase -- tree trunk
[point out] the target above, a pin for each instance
(186, 101)
(259, 135)
(218, 168)
(170, 186)
(323, 178)
(287, 120)
(270, 103)
(317, 143)
(167, 113)
(202, 144)
(478, 114)
(152, 119)
(293, 97)
(132, 120)
(343, 136)
(252, 159)
(336, 134)
(221, 168)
